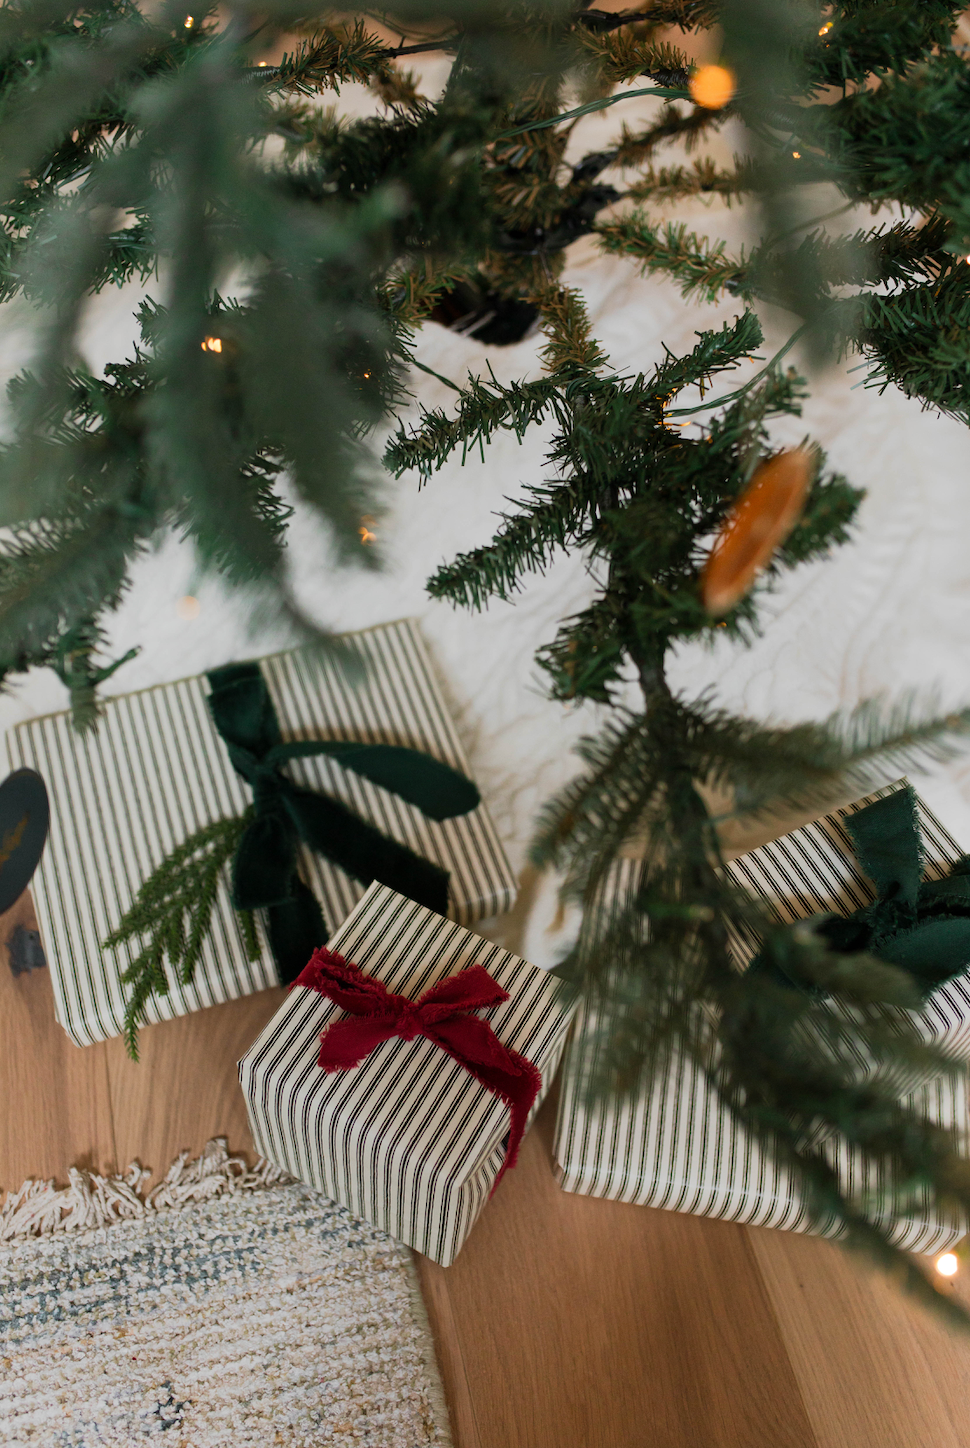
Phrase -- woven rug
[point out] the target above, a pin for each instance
(226, 1306)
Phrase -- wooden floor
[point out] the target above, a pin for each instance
(566, 1322)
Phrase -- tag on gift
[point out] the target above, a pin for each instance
(24, 818)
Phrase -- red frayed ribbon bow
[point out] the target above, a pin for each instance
(441, 1014)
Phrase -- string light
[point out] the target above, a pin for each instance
(188, 608)
(797, 155)
(189, 21)
(826, 27)
(712, 86)
(948, 1264)
(366, 524)
(212, 344)
(261, 64)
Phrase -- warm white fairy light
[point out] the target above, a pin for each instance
(212, 344)
(712, 86)
(365, 529)
(948, 1264)
(826, 27)
(188, 608)
(189, 21)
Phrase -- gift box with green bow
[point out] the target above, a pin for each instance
(884, 877)
(212, 832)
(881, 876)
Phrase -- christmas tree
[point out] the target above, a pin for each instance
(292, 254)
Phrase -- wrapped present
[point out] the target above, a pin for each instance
(158, 772)
(436, 1048)
(674, 1144)
(892, 881)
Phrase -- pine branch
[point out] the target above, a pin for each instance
(330, 57)
(695, 263)
(484, 409)
(703, 178)
(684, 14)
(571, 350)
(525, 543)
(597, 812)
(623, 55)
(170, 918)
(73, 661)
(715, 352)
(861, 39)
(918, 339)
(772, 769)
(611, 442)
(674, 125)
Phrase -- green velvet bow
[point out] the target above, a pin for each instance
(264, 870)
(921, 926)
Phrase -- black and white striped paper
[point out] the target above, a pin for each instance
(408, 1140)
(673, 1144)
(155, 771)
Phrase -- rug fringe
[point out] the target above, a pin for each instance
(91, 1200)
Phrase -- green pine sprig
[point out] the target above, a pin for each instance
(169, 918)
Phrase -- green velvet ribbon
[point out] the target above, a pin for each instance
(264, 870)
(921, 926)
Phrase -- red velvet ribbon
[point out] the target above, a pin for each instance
(441, 1014)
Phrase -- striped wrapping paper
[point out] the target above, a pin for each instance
(814, 869)
(408, 1139)
(673, 1144)
(155, 771)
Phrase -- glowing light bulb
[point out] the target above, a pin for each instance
(189, 21)
(797, 155)
(188, 608)
(366, 525)
(212, 344)
(826, 27)
(712, 86)
(948, 1264)
(261, 63)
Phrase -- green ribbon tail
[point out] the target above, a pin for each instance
(363, 852)
(934, 952)
(296, 928)
(887, 844)
(433, 787)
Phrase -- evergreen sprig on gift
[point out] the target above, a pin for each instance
(152, 145)
(169, 919)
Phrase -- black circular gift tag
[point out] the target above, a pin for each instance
(24, 817)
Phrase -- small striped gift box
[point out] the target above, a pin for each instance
(155, 770)
(673, 1144)
(408, 1139)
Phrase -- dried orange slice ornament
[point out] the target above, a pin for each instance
(759, 522)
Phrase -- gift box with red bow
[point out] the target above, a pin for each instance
(404, 1066)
